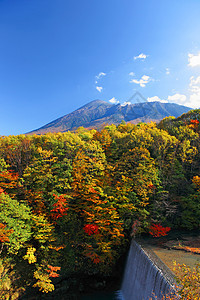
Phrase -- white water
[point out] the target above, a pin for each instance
(142, 279)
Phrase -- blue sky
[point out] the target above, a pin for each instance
(57, 55)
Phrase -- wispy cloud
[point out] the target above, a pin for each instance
(194, 84)
(143, 81)
(97, 78)
(156, 99)
(167, 71)
(194, 60)
(141, 56)
(114, 101)
(131, 74)
(101, 74)
(99, 88)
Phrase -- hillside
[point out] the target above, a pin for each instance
(97, 113)
(71, 202)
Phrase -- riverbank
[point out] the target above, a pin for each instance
(182, 247)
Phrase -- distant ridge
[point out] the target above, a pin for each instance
(97, 113)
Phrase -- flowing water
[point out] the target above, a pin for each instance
(142, 279)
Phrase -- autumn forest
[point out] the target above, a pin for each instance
(71, 202)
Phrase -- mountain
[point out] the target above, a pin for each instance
(97, 113)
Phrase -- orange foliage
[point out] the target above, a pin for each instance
(9, 181)
(188, 280)
(194, 124)
(52, 271)
(60, 208)
(4, 233)
(151, 186)
(192, 249)
(57, 248)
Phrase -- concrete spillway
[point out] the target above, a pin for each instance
(143, 280)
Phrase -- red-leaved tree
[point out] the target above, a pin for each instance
(91, 229)
(157, 230)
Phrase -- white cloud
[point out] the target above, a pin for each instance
(194, 100)
(131, 74)
(126, 103)
(156, 99)
(167, 71)
(143, 81)
(99, 88)
(145, 77)
(194, 60)
(113, 100)
(178, 98)
(141, 56)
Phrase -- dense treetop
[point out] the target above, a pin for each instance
(70, 202)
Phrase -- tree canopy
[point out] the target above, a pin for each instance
(70, 202)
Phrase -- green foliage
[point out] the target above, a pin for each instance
(16, 216)
(75, 199)
(3, 165)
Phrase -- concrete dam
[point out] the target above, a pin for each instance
(145, 277)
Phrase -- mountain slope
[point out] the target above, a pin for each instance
(97, 113)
